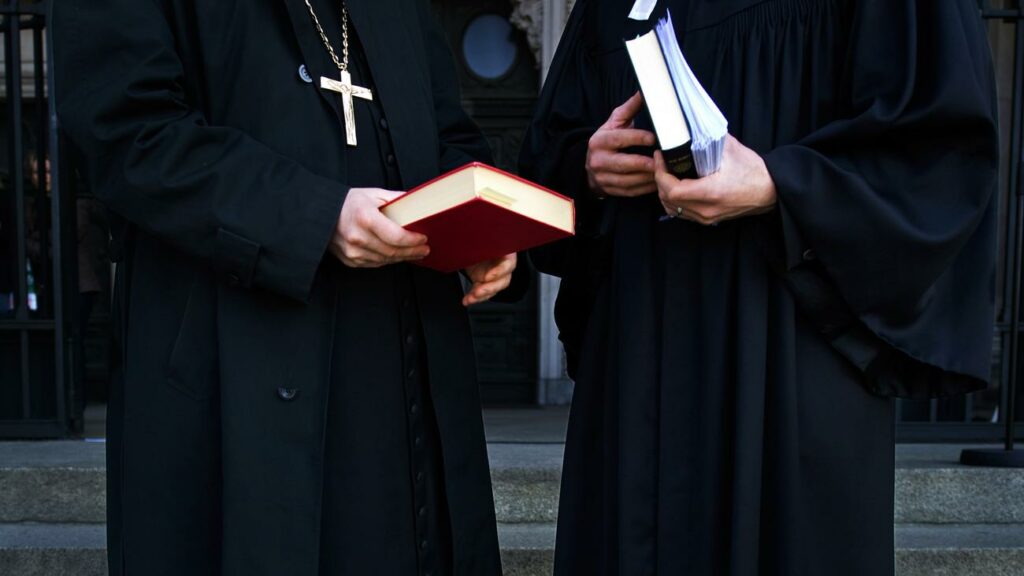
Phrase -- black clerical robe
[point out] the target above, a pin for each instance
(731, 413)
(277, 412)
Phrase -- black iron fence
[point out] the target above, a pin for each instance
(41, 378)
(35, 235)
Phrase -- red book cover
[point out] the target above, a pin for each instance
(480, 229)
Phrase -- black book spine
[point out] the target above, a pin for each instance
(679, 161)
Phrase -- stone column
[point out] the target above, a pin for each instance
(543, 20)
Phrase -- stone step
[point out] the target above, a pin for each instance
(960, 550)
(525, 479)
(64, 482)
(931, 487)
(53, 549)
(528, 549)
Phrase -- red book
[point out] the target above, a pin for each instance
(478, 213)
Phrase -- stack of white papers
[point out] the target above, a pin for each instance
(708, 127)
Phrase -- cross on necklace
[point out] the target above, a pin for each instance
(348, 91)
(344, 88)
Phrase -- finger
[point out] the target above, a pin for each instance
(692, 192)
(492, 270)
(485, 291)
(642, 190)
(384, 196)
(374, 250)
(623, 163)
(702, 218)
(377, 253)
(358, 258)
(622, 138)
(392, 234)
(634, 192)
(501, 268)
(475, 296)
(665, 179)
(685, 191)
(476, 273)
(624, 181)
(624, 114)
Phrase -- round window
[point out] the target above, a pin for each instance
(489, 46)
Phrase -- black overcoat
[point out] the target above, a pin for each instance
(196, 127)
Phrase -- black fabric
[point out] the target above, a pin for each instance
(405, 530)
(727, 417)
(263, 400)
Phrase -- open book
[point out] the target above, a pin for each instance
(691, 129)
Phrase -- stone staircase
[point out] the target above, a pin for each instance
(951, 520)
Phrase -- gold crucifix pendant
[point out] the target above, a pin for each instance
(348, 91)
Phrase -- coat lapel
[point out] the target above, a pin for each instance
(390, 34)
(314, 54)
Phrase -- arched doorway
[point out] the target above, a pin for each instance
(500, 81)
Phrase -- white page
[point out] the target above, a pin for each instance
(642, 10)
(707, 124)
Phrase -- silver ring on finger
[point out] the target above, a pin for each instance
(679, 211)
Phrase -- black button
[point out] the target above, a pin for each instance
(423, 545)
(410, 339)
(287, 394)
(419, 476)
(417, 441)
(384, 124)
(809, 255)
(391, 159)
(411, 374)
(414, 408)
(406, 303)
(423, 511)
(234, 281)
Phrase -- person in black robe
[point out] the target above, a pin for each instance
(733, 410)
(294, 396)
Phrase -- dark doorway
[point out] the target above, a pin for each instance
(500, 82)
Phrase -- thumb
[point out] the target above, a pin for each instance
(384, 196)
(623, 116)
(659, 162)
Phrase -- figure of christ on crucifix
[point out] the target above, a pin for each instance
(348, 91)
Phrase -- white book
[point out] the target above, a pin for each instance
(691, 129)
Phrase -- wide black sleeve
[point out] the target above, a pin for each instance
(569, 111)
(254, 215)
(894, 203)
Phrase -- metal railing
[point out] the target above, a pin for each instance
(37, 374)
(34, 236)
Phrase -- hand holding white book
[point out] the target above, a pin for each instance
(691, 129)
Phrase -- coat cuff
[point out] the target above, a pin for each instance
(287, 265)
(795, 251)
